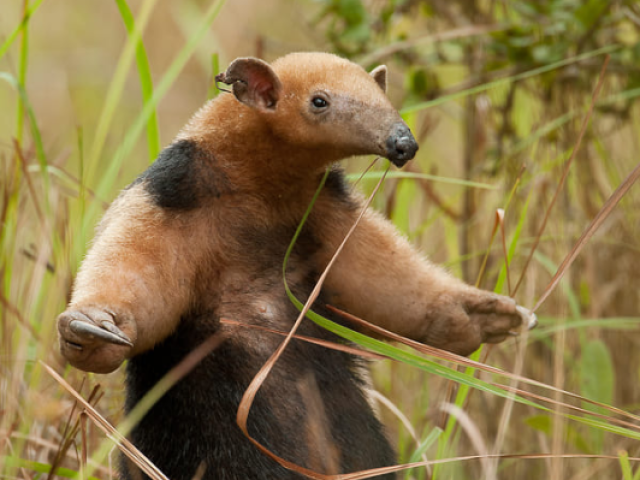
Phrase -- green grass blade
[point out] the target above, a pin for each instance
(502, 277)
(448, 373)
(604, 426)
(215, 69)
(146, 81)
(300, 226)
(22, 74)
(23, 24)
(434, 434)
(117, 84)
(625, 466)
(161, 89)
(407, 358)
(169, 77)
(35, 131)
(186, 16)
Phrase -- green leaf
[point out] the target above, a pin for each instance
(359, 33)
(597, 378)
(541, 53)
(597, 375)
(590, 12)
(541, 423)
(352, 11)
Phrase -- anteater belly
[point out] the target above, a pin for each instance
(311, 410)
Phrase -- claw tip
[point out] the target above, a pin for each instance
(83, 328)
(528, 317)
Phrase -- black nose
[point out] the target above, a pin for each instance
(401, 146)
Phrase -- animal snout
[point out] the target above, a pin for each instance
(401, 146)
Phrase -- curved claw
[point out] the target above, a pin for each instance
(109, 333)
(528, 317)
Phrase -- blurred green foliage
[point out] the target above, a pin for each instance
(495, 91)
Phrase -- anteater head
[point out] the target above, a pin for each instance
(323, 103)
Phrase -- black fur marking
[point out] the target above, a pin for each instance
(338, 186)
(269, 245)
(183, 176)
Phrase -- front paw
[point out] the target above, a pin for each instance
(478, 317)
(498, 316)
(91, 341)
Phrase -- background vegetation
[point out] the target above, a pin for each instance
(496, 92)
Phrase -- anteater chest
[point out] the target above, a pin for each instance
(251, 286)
(244, 282)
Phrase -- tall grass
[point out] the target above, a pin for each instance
(560, 402)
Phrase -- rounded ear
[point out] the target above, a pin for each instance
(254, 83)
(379, 74)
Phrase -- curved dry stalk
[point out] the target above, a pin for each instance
(121, 441)
(189, 362)
(260, 377)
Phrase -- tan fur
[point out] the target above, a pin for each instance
(380, 277)
(141, 270)
(201, 236)
(149, 266)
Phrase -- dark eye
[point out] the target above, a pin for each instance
(319, 102)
